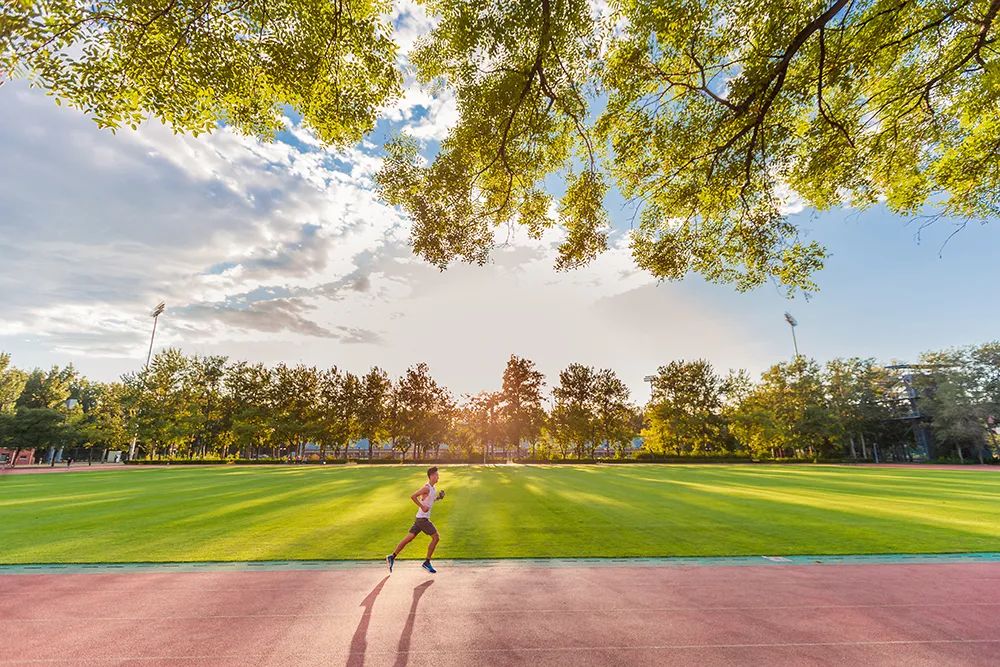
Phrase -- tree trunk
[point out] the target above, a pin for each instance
(854, 453)
(961, 457)
(864, 447)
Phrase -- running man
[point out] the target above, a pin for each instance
(424, 499)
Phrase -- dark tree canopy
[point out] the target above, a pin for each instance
(709, 116)
(195, 64)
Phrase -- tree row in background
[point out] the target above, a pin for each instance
(193, 406)
(198, 407)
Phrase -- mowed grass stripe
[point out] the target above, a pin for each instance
(318, 513)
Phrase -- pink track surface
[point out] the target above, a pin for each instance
(882, 614)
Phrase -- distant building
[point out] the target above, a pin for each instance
(24, 458)
(606, 451)
(356, 450)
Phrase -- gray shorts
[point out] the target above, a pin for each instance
(422, 525)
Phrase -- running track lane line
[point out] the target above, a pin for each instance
(532, 649)
(494, 612)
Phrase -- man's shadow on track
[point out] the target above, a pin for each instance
(403, 650)
(359, 642)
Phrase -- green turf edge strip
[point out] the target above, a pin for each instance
(291, 565)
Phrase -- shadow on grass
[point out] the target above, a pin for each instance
(706, 512)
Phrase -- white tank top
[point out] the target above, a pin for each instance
(429, 501)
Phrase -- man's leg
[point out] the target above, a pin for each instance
(402, 545)
(435, 538)
(391, 558)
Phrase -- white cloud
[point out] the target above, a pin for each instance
(791, 202)
(410, 21)
(440, 115)
(275, 251)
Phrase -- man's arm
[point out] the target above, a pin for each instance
(417, 497)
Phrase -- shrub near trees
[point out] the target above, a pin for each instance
(195, 407)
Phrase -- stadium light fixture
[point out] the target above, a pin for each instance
(792, 322)
(160, 307)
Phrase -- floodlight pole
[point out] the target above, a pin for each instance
(160, 307)
(650, 379)
(156, 316)
(792, 323)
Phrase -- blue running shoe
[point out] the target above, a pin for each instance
(427, 566)
(390, 559)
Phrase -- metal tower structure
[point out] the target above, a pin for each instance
(922, 436)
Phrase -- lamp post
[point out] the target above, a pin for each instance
(792, 322)
(160, 307)
(155, 314)
(650, 379)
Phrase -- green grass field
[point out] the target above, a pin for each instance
(354, 512)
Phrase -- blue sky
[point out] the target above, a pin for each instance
(282, 252)
(882, 294)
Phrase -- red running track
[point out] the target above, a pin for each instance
(873, 614)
